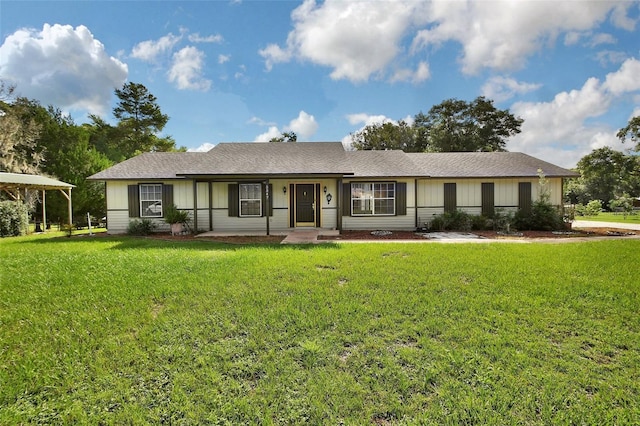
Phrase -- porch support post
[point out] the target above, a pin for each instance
(195, 206)
(415, 199)
(67, 195)
(44, 211)
(339, 205)
(210, 206)
(266, 200)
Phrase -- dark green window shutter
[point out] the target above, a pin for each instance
(524, 196)
(318, 207)
(488, 203)
(234, 200)
(134, 201)
(450, 205)
(264, 197)
(167, 196)
(346, 199)
(401, 199)
(291, 206)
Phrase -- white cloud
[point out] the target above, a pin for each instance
(366, 119)
(274, 54)
(196, 38)
(356, 39)
(186, 70)
(260, 122)
(606, 57)
(63, 66)
(624, 80)
(570, 119)
(205, 147)
(304, 125)
(149, 50)
(502, 88)
(361, 40)
(273, 132)
(502, 34)
(421, 74)
(601, 38)
(223, 58)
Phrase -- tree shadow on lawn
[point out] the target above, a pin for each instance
(127, 242)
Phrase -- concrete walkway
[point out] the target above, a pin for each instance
(580, 224)
(294, 236)
(307, 236)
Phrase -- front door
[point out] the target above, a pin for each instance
(305, 204)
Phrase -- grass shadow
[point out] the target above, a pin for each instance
(127, 242)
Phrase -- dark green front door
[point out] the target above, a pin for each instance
(305, 205)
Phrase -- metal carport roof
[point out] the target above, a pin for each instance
(12, 183)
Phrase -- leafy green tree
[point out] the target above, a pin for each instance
(623, 203)
(631, 131)
(451, 126)
(71, 158)
(19, 133)
(460, 126)
(285, 137)
(140, 120)
(606, 173)
(387, 135)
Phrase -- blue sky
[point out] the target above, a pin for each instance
(248, 70)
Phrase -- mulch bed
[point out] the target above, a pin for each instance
(409, 235)
(398, 236)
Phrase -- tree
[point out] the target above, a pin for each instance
(460, 126)
(71, 158)
(631, 131)
(605, 174)
(140, 121)
(285, 137)
(19, 133)
(387, 135)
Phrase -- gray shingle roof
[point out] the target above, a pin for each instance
(325, 158)
(484, 165)
(382, 164)
(273, 159)
(150, 165)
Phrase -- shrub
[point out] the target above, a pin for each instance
(593, 208)
(623, 204)
(542, 217)
(173, 215)
(141, 227)
(451, 221)
(502, 220)
(480, 223)
(13, 218)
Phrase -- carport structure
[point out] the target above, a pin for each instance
(17, 186)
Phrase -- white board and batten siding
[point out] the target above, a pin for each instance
(469, 195)
(279, 221)
(382, 222)
(118, 202)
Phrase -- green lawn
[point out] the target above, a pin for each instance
(105, 330)
(613, 217)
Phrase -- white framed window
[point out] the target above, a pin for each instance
(250, 195)
(373, 199)
(151, 200)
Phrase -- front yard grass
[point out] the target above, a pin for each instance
(613, 217)
(108, 330)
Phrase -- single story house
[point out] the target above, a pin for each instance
(275, 187)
